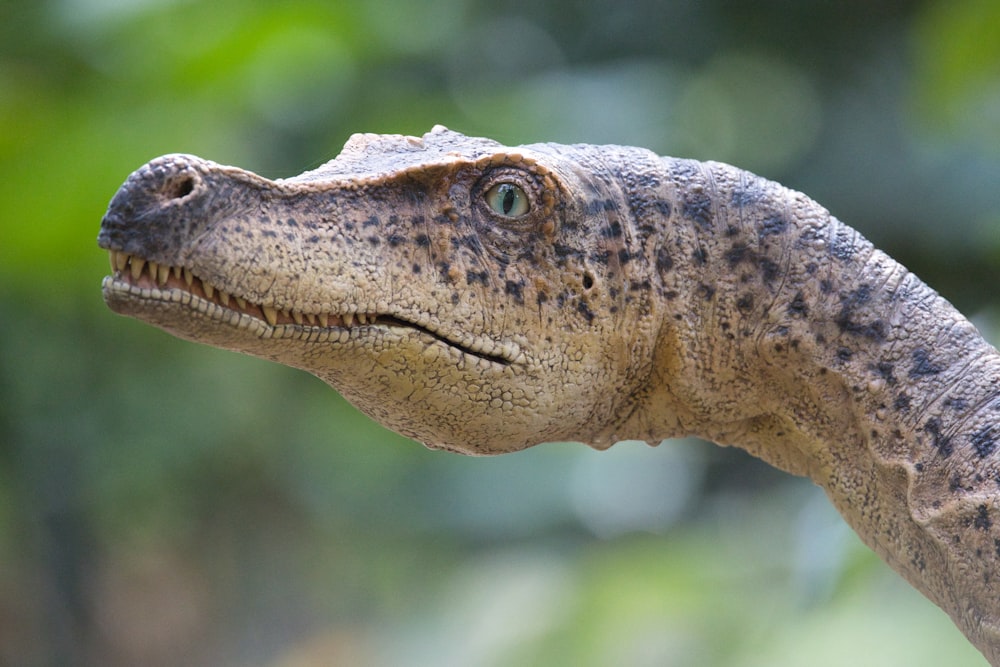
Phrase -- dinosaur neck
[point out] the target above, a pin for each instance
(842, 366)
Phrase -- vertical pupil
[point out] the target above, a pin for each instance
(509, 196)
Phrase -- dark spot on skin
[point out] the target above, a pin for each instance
(422, 240)
(706, 291)
(825, 286)
(624, 256)
(842, 244)
(844, 354)
(698, 207)
(371, 221)
(639, 285)
(416, 268)
(395, 239)
(348, 226)
(902, 403)
(919, 467)
(746, 196)
(563, 251)
(732, 230)
(745, 303)
(941, 442)
(516, 290)
(670, 296)
(541, 298)
(983, 442)
(612, 231)
(700, 256)
(798, 307)
(982, 520)
(773, 224)
(736, 254)
(769, 270)
(473, 277)
(600, 256)
(292, 222)
(313, 239)
(663, 260)
(582, 308)
(955, 483)
(850, 303)
(270, 233)
(454, 298)
(374, 240)
(956, 404)
(885, 371)
(922, 365)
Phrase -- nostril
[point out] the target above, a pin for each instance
(179, 187)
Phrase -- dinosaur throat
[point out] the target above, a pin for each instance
(144, 279)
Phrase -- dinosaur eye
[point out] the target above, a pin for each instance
(508, 200)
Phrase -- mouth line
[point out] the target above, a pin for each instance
(143, 274)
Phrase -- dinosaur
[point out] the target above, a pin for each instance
(483, 299)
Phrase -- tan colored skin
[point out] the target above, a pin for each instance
(638, 297)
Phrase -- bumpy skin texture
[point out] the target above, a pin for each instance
(639, 297)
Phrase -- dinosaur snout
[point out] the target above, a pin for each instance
(160, 205)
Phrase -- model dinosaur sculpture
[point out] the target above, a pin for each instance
(483, 299)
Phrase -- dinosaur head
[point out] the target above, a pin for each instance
(474, 297)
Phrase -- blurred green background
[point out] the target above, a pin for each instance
(167, 504)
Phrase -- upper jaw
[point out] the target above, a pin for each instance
(146, 289)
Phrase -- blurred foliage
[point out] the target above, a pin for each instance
(162, 504)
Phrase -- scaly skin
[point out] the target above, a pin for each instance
(638, 297)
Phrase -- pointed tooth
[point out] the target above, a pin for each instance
(270, 314)
(223, 298)
(136, 267)
(241, 302)
(188, 277)
(209, 290)
(111, 259)
(121, 261)
(311, 318)
(297, 317)
(348, 320)
(162, 273)
(176, 270)
(285, 313)
(324, 319)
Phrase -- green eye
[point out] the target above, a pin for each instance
(508, 200)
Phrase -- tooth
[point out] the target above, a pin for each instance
(223, 298)
(152, 266)
(348, 320)
(324, 319)
(209, 290)
(242, 303)
(162, 273)
(121, 260)
(297, 316)
(176, 270)
(287, 314)
(188, 277)
(137, 264)
(270, 314)
(311, 318)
